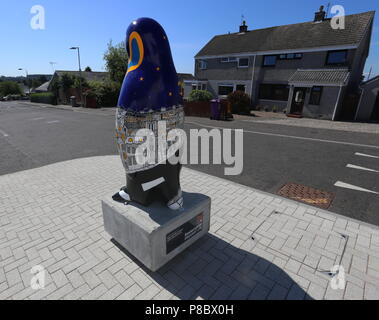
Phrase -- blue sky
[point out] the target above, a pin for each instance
(189, 24)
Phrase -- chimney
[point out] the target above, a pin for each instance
(320, 15)
(243, 27)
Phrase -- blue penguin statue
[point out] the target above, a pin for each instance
(149, 95)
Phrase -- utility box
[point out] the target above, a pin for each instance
(73, 101)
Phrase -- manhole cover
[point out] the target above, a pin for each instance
(308, 195)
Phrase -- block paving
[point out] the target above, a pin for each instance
(260, 246)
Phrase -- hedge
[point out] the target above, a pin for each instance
(200, 95)
(48, 98)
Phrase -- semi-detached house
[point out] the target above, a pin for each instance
(307, 69)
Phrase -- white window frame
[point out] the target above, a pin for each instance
(224, 85)
(203, 65)
(248, 63)
(228, 59)
(240, 84)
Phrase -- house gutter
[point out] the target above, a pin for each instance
(359, 105)
(252, 78)
(337, 103)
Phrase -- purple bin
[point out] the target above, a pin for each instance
(215, 109)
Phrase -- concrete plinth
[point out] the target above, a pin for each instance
(156, 234)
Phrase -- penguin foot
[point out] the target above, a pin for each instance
(122, 196)
(177, 202)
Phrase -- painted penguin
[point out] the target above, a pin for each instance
(149, 95)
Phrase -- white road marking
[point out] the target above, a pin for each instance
(366, 155)
(4, 133)
(352, 166)
(352, 187)
(36, 119)
(293, 137)
(55, 121)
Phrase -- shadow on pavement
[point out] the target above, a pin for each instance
(213, 269)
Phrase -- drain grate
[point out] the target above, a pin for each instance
(308, 195)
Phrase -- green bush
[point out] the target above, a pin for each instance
(9, 87)
(45, 97)
(200, 95)
(240, 102)
(106, 93)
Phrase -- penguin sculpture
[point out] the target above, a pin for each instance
(150, 94)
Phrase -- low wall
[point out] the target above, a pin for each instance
(197, 109)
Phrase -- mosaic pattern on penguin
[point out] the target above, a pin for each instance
(150, 93)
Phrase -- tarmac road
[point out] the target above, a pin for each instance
(340, 162)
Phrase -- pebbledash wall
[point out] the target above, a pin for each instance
(327, 104)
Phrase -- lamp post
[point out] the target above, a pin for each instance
(27, 77)
(80, 75)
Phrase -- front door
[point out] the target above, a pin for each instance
(298, 100)
(375, 112)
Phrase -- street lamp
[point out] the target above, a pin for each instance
(80, 75)
(27, 77)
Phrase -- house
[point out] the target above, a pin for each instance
(86, 75)
(43, 87)
(188, 83)
(368, 107)
(306, 69)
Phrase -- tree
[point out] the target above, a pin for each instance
(116, 61)
(9, 87)
(66, 81)
(88, 69)
(36, 82)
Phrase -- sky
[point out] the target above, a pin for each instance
(189, 25)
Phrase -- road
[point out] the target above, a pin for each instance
(340, 162)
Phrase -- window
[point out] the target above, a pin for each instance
(224, 90)
(269, 61)
(315, 96)
(194, 87)
(337, 57)
(290, 56)
(243, 62)
(202, 64)
(241, 87)
(203, 86)
(228, 59)
(278, 92)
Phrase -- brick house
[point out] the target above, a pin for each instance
(307, 69)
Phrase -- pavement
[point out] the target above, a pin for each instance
(339, 162)
(260, 246)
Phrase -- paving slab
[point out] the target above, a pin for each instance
(260, 246)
